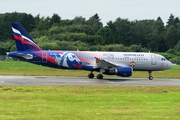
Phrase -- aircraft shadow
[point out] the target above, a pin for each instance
(118, 79)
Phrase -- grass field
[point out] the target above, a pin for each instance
(24, 68)
(86, 102)
(89, 103)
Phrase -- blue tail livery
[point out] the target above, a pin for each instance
(111, 63)
(23, 39)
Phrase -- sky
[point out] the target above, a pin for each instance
(106, 9)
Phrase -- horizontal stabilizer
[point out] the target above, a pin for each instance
(25, 56)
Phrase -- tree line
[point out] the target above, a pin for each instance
(90, 34)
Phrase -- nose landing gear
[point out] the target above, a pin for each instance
(150, 75)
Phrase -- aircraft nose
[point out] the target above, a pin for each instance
(169, 65)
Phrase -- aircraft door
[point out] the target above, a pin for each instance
(153, 60)
(44, 57)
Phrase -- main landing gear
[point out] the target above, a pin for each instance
(99, 76)
(150, 75)
(91, 75)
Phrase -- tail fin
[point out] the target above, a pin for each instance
(24, 42)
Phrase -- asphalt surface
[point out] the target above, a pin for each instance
(56, 80)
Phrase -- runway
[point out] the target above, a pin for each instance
(57, 80)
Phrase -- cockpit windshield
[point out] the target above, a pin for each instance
(163, 59)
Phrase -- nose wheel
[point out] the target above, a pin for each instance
(150, 75)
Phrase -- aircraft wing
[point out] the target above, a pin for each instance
(106, 64)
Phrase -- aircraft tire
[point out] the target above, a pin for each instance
(99, 76)
(91, 75)
(150, 77)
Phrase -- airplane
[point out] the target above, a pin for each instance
(110, 63)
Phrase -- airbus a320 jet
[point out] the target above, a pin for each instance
(110, 63)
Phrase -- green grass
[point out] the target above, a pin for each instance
(89, 103)
(24, 68)
(86, 102)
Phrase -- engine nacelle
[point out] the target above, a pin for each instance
(124, 71)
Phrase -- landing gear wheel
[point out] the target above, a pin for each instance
(99, 76)
(91, 75)
(150, 77)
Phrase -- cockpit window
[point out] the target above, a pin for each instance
(163, 59)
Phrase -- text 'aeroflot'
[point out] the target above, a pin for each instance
(110, 63)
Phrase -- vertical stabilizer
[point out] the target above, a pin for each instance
(24, 42)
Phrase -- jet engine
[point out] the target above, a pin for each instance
(124, 71)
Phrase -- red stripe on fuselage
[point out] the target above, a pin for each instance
(48, 57)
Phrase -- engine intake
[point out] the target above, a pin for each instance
(124, 71)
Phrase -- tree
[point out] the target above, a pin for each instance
(55, 19)
(27, 20)
(172, 21)
(43, 24)
(177, 46)
(95, 23)
(170, 37)
(151, 34)
(79, 20)
(105, 33)
(113, 32)
(156, 36)
(123, 27)
(141, 32)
